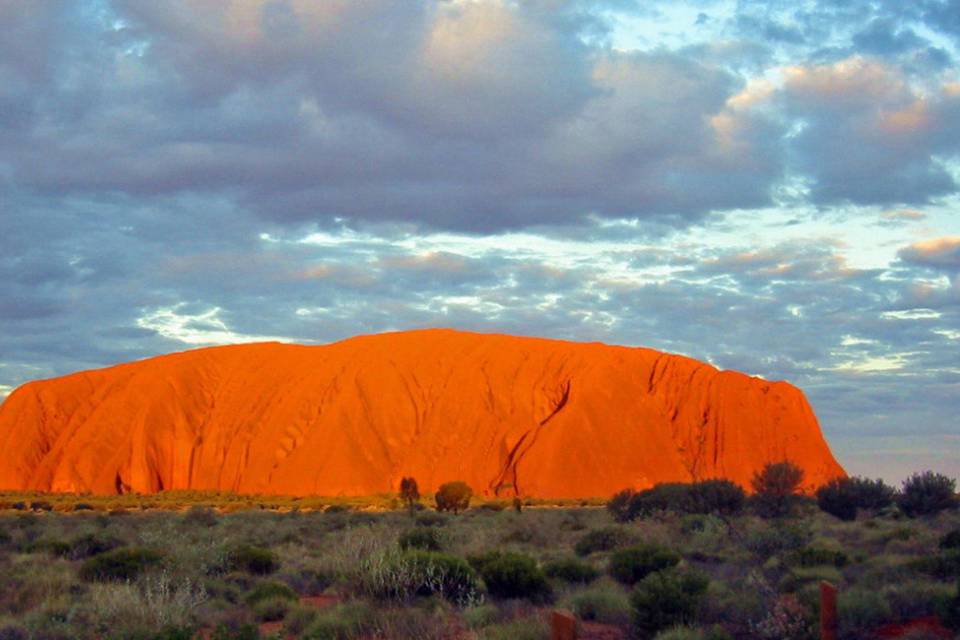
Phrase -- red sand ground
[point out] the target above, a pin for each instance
(506, 414)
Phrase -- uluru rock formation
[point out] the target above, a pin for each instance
(505, 414)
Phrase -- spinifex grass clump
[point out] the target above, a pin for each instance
(125, 563)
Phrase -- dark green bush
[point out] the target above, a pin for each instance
(512, 575)
(431, 519)
(604, 539)
(271, 609)
(944, 566)
(665, 599)
(425, 538)
(453, 496)
(41, 505)
(200, 516)
(237, 632)
(53, 547)
(269, 589)
(668, 496)
(948, 610)
(82, 506)
(633, 564)
(842, 497)
(91, 544)
(619, 505)
(175, 633)
(927, 493)
(817, 557)
(950, 540)
(571, 570)
(125, 563)
(767, 541)
(720, 497)
(776, 489)
(252, 559)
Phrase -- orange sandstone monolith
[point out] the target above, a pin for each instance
(508, 415)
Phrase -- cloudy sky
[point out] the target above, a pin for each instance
(771, 187)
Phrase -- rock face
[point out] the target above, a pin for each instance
(505, 414)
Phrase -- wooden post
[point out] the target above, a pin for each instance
(828, 611)
(563, 625)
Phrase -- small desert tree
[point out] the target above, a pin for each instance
(409, 492)
(453, 496)
(927, 493)
(842, 497)
(776, 488)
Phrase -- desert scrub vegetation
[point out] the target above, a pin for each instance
(711, 566)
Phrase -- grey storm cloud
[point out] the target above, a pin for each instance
(473, 116)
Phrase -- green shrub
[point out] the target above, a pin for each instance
(927, 493)
(633, 564)
(950, 540)
(341, 622)
(91, 544)
(943, 566)
(298, 619)
(604, 539)
(604, 602)
(842, 497)
(915, 598)
(83, 506)
(861, 608)
(767, 541)
(817, 556)
(125, 563)
(453, 496)
(252, 559)
(776, 489)
(531, 628)
(838, 499)
(200, 516)
(571, 570)
(271, 609)
(481, 616)
(682, 632)
(667, 496)
(53, 547)
(619, 505)
(667, 598)
(512, 575)
(269, 589)
(236, 632)
(720, 497)
(948, 609)
(431, 519)
(425, 538)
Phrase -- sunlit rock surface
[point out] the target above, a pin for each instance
(506, 414)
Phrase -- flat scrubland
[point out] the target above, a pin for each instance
(253, 568)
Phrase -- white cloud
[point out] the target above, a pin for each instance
(204, 328)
